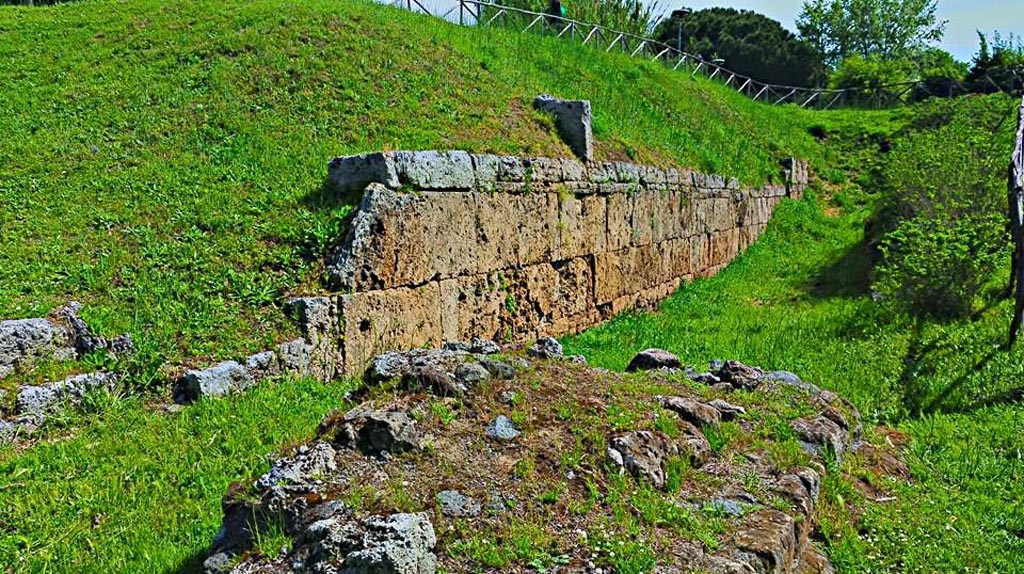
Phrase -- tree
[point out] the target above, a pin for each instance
(881, 29)
(751, 44)
(999, 65)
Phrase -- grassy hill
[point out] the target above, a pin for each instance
(162, 163)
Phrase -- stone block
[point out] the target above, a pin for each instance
(700, 254)
(573, 120)
(351, 174)
(384, 320)
(619, 222)
(581, 225)
(649, 213)
(471, 306)
(543, 170)
(486, 168)
(724, 246)
(434, 170)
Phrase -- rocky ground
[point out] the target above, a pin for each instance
(468, 459)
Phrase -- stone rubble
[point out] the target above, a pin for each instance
(770, 527)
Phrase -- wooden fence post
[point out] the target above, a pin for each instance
(1016, 197)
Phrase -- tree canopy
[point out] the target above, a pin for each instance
(750, 44)
(870, 29)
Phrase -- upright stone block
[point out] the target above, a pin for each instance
(573, 120)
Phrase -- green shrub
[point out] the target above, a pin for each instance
(872, 81)
(945, 210)
(938, 265)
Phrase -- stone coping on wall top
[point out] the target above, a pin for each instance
(462, 171)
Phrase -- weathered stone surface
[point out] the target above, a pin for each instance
(766, 540)
(39, 400)
(457, 505)
(388, 365)
(25, 340)
(262, 365)
(295, 357)
(401, 318)
(821, 435)
(434, 170)
(573, 119)
(219, 380)
(693, 411)
(502, 429)
(499, 369)
(396, 544)
(739, 375)
(491, 246)
(471, 373)
(651, 359)
(353, 173)
(435, 381)
(308, 465)
(546, 348)
(791, 379)
(728, 410)
(694, 444)
(484, 347)
(643, 454)
(373, 432)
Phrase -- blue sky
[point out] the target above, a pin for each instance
(963, 16)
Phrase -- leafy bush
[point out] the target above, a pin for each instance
(946, 204)
(872, 80)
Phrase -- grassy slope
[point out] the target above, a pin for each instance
(162, 161)
(210, 136)
(799, 301)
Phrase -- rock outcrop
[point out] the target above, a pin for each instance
(408, 481)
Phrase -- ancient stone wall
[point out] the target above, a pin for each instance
(448, 246)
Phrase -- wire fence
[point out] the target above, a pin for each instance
(482, 13)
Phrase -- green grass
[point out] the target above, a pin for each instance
(139, 491)
(799, 300)
(162, 162)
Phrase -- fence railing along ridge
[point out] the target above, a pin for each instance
(804, 96)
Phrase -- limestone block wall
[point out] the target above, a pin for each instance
(449, 245)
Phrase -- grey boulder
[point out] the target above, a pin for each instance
(651, 359)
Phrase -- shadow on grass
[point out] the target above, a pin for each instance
(191, 565)
(848, 276)
(926, 360)
(327, 198)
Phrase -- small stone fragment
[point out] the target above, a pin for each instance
(471, 373)
(729, 411)
(693, 411)
(502, 429)
(374, 432)
(304, 467)
(457, 505)
(740, 375)
(484, 347)
(546, 348)
(434, 381)
(219, 380)
(456, 346)
(499, 369)
(388, 366)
